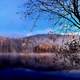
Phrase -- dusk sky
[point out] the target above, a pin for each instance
(12, 24)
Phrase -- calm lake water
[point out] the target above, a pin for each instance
(10, 73)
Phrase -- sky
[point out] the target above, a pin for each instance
(13, 24)
(10, 23)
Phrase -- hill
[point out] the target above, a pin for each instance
(27, 44)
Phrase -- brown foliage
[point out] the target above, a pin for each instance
(45, 48)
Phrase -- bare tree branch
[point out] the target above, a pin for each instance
(67, 9)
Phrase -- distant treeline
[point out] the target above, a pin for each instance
(7, 45)
(25, 46)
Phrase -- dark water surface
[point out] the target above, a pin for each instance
(11, 73)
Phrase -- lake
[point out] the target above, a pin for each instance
(10, 73)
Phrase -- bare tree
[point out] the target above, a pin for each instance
(68, 10)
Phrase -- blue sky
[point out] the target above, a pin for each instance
(12, 24)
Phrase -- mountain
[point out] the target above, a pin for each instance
(27, 44)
